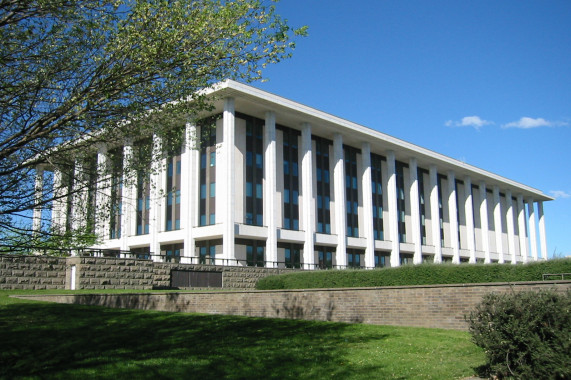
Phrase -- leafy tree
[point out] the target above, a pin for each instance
(71, 72)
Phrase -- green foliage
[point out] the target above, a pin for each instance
(425, 274)
(73, 71)
(525, 335)
(54, 341)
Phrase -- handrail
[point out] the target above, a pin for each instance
(546, 276)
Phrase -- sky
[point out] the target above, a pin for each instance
(484, 82)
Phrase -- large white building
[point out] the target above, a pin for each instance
(280, 184)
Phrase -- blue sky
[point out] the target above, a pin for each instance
(486, 82)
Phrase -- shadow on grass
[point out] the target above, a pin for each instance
(71, 341)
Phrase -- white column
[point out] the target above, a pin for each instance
(510, 225)
(415, 210)
(542, 237)
(103, 194)
(58, 203)
(340, 199)
(190, 173)
(469, 211)
(128, 200)
(366, 188)
(435, 214)
(393, 209)
(39, 192)
(156, 185)
(453, 217)
(270, 168)
(498, 231)
(227, 180)
(532, 229)
(484, 227)
(522, 229)
(307, 193)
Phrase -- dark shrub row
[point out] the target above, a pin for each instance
(425, 274)
(525, 335)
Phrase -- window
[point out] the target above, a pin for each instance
(351, 191)
(382, 259)
(292, 254)
(173, 149)
(324, 256)
(354, 258)
(173, 187)
(401, 204)
(90, 177)
(422, 204)
(141, 253)
(254, 170)
(143, 152)
(67, 178)
(207, 206)
(323, 185)
(171, 253)
(440, 209)
(116, 172)
(255, 251)
(405, 259)
(291, 179)
(207, 251)
(377, 190)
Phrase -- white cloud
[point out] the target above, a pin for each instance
(469, 121)
(529, 122)
(560, 194)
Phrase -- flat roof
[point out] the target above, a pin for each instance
(256, 102)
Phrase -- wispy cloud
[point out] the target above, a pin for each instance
(560, 194)
(469, 121)
(529, 122)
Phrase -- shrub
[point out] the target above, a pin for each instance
(424, 274)
(525, 335)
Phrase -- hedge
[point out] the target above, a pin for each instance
(424, 274)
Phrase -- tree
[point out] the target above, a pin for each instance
(72, 72)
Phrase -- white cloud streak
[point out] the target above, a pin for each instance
(469, 121)
(557, 194)
(529, 122)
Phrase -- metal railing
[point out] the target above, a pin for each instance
(35, 250)
(550, 276)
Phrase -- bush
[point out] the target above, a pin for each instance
(424, 274)
(525, 335)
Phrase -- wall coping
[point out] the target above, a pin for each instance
(311, 290)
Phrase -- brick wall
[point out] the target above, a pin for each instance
(435, 306)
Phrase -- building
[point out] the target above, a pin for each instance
(280, 184)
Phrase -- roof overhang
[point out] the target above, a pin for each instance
(256, 102)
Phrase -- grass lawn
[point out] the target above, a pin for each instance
(42, 340)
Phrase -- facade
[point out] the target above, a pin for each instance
(275, 183)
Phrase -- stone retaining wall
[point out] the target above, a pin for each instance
(438, 306)
(32, 272)
(48, 272)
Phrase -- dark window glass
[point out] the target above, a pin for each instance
(325, 256)
(323, 185)
(142, 152)
(172, 253)
(401, 205)
(291, 179)
(207, 204)
(377, 190)
(351, 191)
(116, 161)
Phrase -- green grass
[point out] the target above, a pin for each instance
(42, 340)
